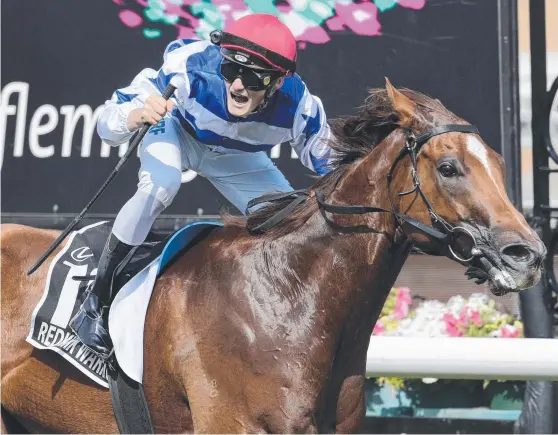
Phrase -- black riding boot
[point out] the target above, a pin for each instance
(91, 321)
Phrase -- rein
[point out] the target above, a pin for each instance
(445, 234)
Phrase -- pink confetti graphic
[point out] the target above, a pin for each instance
(361, 18)
(311, 21)
(412, 4)
(130, 18)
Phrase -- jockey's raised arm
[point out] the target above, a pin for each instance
(115, 126)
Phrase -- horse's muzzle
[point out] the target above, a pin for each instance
(521, 264)
(520, 255)
(508, 263)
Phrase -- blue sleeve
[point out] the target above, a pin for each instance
(311, 134)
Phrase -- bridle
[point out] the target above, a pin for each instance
(413, 145)
(441, 232)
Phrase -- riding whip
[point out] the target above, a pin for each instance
(131, 149)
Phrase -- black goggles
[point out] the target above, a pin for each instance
(253, 79)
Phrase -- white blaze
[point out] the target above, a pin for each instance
(478, 149)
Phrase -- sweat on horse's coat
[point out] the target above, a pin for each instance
(269, 333)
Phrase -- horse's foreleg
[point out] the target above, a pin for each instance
(350, 407)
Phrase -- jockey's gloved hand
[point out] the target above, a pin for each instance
(153, 110)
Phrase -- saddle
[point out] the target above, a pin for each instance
(70, 272)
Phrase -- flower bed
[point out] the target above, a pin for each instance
(475, 316)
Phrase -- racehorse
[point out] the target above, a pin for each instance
(264, 325)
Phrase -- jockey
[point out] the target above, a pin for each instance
(237, 96)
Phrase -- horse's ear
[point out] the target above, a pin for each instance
(403, 105)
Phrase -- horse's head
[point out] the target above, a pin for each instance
(459, 190)
(407, 167)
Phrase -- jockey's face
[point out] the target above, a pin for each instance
(242, 101)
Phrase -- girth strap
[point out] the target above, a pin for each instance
(129, 403)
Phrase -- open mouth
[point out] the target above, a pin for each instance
(500, 282)
(238, 98)
(505, 267)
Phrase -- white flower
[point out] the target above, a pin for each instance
(426, 322)
(427, 319)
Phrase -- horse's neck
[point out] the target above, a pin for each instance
(365, 183)
(358, 270)
(344, 278)
(357, 273)
(333, 288)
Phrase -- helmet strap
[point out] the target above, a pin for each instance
(270, 90)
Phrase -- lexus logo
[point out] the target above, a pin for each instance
(81, 254)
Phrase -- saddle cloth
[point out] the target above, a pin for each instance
(63, 296)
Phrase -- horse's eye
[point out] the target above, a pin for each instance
(447, 170)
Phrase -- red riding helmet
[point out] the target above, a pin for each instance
(262, 36)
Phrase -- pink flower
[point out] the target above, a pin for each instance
(452, 325)
(475, 318)
(378, 328)
(401, 310)
(508, 331)
(404, 294)
(402, 303)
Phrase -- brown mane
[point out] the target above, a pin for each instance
(354, 137)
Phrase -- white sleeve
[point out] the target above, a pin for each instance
(311, 134)
(111, 125)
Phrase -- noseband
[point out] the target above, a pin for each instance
(441, 232)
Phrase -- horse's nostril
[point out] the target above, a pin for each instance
(518, 253)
